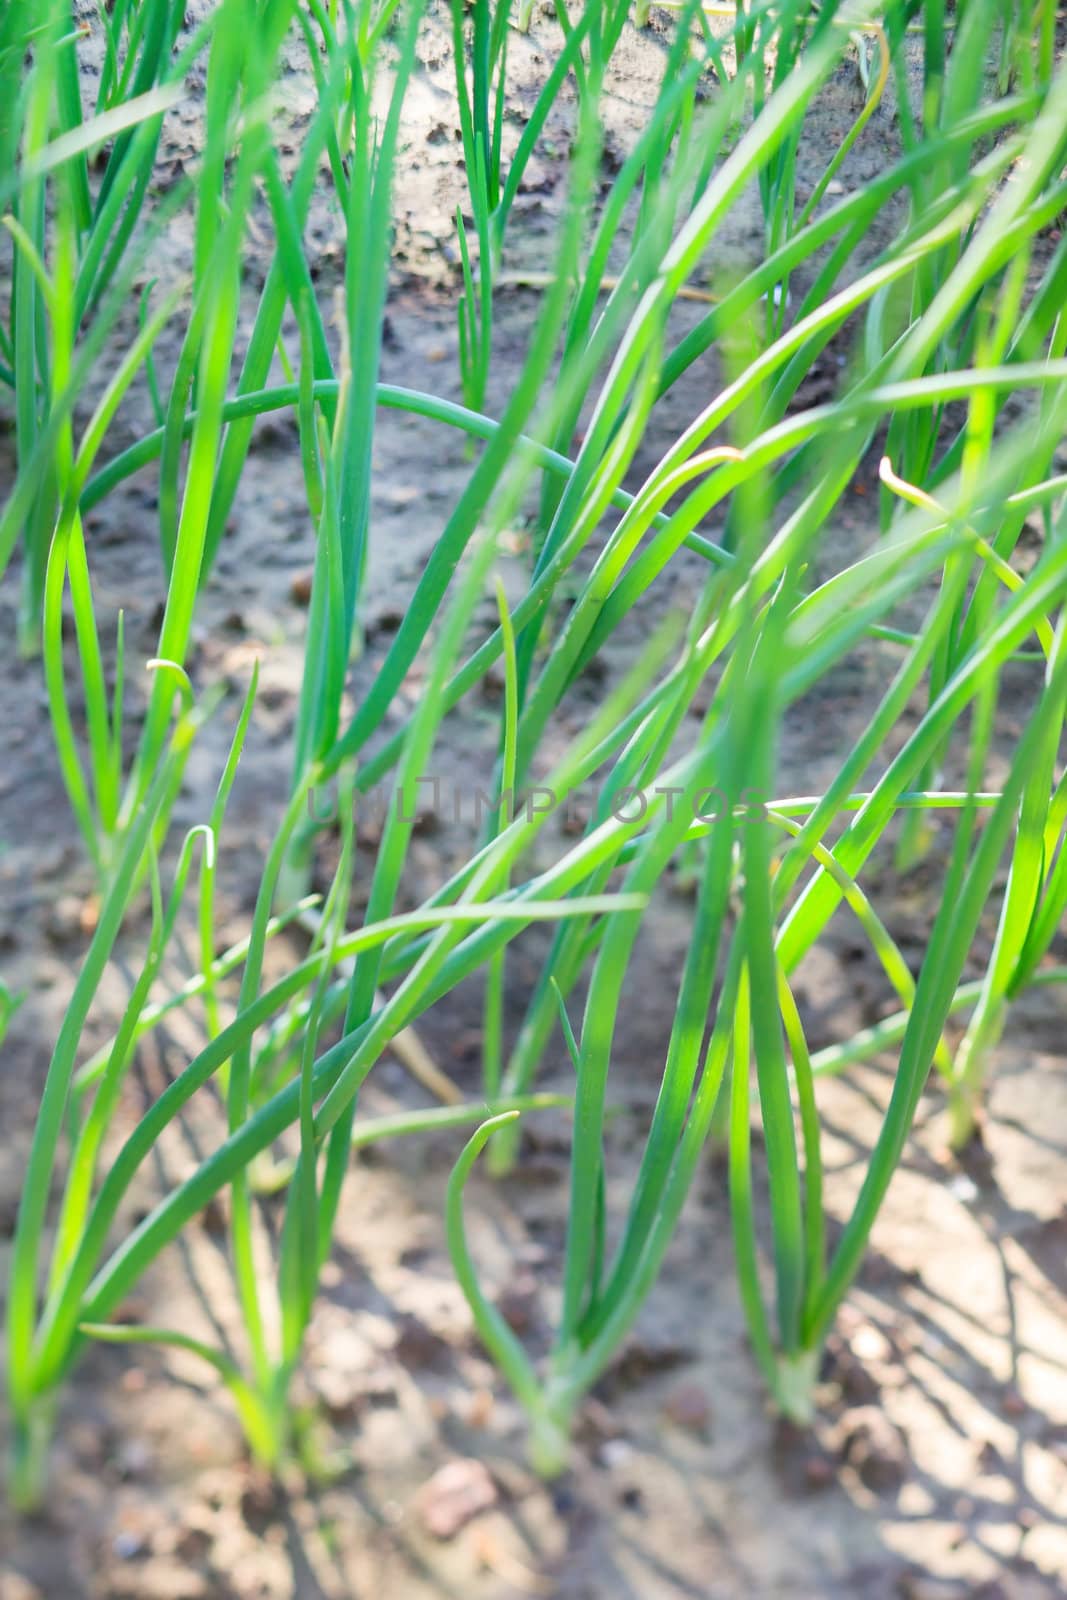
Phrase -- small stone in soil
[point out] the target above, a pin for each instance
(844, 1367)
(454, 1496)
(564, 1499)
(65, 923)
(869, 1343)
(875, 1447)
(130, 1311)
(386, 621)
(615, 1453)
(128, 1545)
(596, 1423)
(818, 1472)
(213, 1216)
(963, 1188)
(642, 1357)
(466, 1046)
(802, 1463)
(134, 1459)
(517, 1303)
(479, 1410)
(342, 1396)
(687, 1406)
(192, 1543)
(259, 1500)
(417, 1345)
(300, 587)
(414, 1256)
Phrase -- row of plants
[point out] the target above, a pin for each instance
(955, 379)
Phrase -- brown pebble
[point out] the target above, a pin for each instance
(386, 621)
(688, 1407)
(875, 1447)
(1013, 1404)
(65, 918)
(480, 1408)
(818, 1472)
(466, 1046)
(192, 1543)
(213, 1217)
(133, 1459)
(300, 587)
(418, 1345)
(454, 1496)
(517, 1303)
(130, 1310)
(259, 1499)
(643, 1357)
(845, 1368)
(597, 1423)
(341, 1396)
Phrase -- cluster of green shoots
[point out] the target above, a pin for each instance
(955, 379)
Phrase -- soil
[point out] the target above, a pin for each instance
(938, 1464)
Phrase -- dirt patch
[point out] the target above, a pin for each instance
(938, 1467)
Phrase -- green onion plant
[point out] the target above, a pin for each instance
(949, 350)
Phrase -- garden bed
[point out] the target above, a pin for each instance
(938, 1463)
